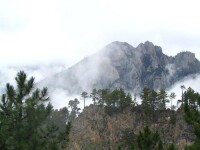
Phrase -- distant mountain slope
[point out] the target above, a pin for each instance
(121, 65)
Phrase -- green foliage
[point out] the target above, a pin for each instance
(146, 102)
(162, 99)
(172, 147)
(195, 146)
(128, 140)
(182, 97)
(147, 140)
(191, 99)
(128, 100)
(59, 118)
(146, 98)
(73, 105)
(115, 99)
(112, 98)
(94, 96)
(192, 114)
(152, 100)
(102, 96)
(24, 114)
(191, 106)
(118, 99)
(84, 95)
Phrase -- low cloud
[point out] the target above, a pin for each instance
(190, 81)
(60, 98)
(8, 73)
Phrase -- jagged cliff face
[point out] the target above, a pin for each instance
(121, 65)
(96, 129)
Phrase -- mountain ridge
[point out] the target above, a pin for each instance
(120, 64)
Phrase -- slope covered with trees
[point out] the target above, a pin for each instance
(114, 121)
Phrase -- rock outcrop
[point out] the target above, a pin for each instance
(121, 65)
(95, 129)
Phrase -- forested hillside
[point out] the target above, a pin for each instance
(115, 120)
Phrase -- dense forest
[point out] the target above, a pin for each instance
(29, 122)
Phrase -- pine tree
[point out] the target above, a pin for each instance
(146, 104)
(124, 100)
(112, 98)
(192, 114)
(24, 111)
(182, 98)
(162, 99)
(84, 95)
(191, 98)
(94, 96)
(154, 100)
(59, 118)
(128, 100)
(103, 95)
(147, 140)
(146, 96)
(73, 105)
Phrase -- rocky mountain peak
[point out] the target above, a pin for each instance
(149, 48)
(148, 44)
(187, 56)
(117, 51)
(120, 65)
(118, 47)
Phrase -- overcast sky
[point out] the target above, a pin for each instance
(65, 31)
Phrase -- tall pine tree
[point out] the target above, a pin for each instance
(24, 111)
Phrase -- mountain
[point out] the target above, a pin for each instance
(121, 65)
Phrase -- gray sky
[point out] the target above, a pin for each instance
(65, 31)
(48, 31)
